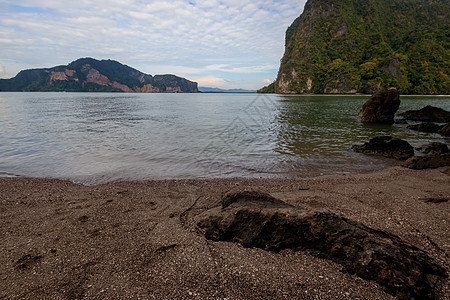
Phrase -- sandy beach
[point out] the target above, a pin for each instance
(137, 240)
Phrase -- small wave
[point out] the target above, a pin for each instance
(7, 174)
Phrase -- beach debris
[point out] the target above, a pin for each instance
(387, 146)
(83, 218)
(256, 219)
(381, 107)
(163, 249)
(427, 114)
(26, 261)
(434, 200)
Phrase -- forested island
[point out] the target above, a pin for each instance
(91, 75)
(352, 46)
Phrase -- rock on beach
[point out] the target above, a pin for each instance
(427, 114)
(427, 127)
(387, 146)
(256, 219)
(381, 107)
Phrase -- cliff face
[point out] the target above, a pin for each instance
(90, 75)
(350, 46)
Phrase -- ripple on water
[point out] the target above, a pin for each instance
(96, 138)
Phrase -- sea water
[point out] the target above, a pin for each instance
(95, 138)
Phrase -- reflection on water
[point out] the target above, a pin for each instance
(94, 138)
(322, 126)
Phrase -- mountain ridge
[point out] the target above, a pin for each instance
(91, 75)
(206, 89)
(352, 46)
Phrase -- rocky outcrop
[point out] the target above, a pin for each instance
(341, 46)
(95, 76)
(381, 107)
(435, 155)
(122, 87)
(445, 131)
(386, 146)
(256, 219)
(428, 127)
(434, 148)
(427, 114)
(91, 75)
(427, 162)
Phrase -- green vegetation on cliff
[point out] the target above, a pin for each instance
(350, 46)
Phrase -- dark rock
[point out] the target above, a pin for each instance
(427, 162)
(427, 114)
(434, 148)
(381, 107)
(401, 121)
(426, 127)
(437, 155)
(402, 269)
(445, 131)
(387, 146)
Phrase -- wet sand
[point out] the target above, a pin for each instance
(60, 240)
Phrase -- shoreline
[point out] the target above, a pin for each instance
(389, 164)
(137, 238)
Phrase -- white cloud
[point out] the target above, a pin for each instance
(209, 81)
(242, 37)
(2, 71)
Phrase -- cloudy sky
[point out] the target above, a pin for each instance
(227, 44)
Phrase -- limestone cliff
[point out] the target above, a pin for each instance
(90, 75)
(350, 46)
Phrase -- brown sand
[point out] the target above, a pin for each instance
(60, 240)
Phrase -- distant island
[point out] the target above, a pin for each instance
(353, 46)
(91, 75)
(205, 89)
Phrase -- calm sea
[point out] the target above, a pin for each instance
(95, 138)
